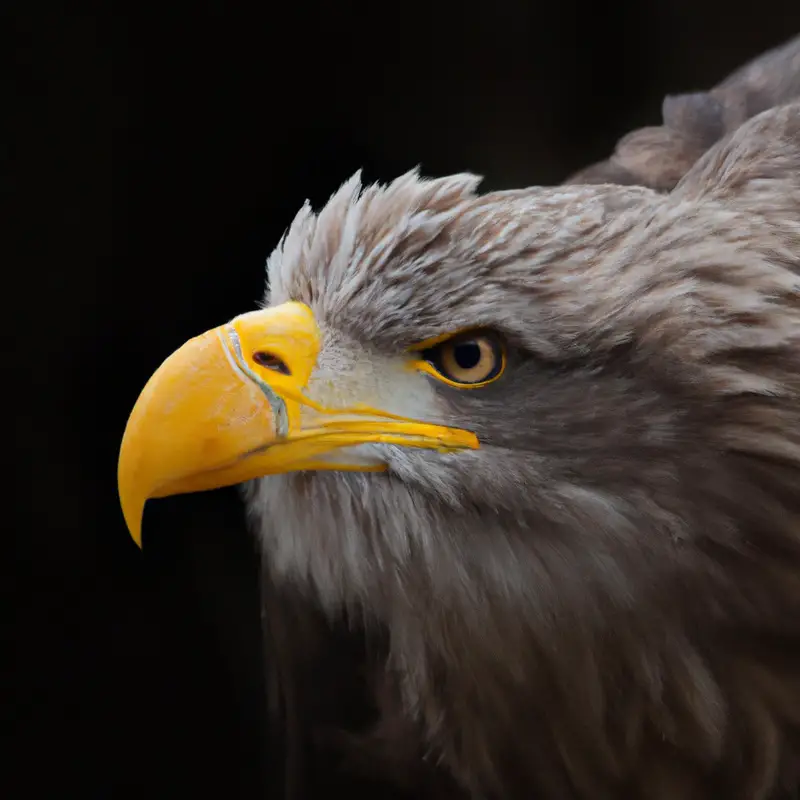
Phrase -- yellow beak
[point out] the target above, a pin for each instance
(229, 406)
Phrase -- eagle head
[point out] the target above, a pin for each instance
(549, 441)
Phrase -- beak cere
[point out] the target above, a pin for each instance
(229, 406)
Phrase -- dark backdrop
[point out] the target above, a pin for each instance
(153, 160)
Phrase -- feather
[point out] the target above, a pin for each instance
(605, 600)
(658, 157)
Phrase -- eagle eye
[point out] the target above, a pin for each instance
(467, 361)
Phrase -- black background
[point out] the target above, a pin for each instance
(153, 159)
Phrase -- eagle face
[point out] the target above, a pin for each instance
(555, 394)
(578, 504)
(613, 310)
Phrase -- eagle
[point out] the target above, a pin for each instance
(525, 468)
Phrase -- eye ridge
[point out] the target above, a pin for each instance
(469, 360)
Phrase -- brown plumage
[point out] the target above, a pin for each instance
(658, 157)
(668, 664)
(594, 591)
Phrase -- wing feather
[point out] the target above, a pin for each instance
(658, 157)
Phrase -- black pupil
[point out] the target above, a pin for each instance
(467, 354)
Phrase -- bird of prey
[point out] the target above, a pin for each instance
(528, 464)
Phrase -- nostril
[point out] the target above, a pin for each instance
(271, 361)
